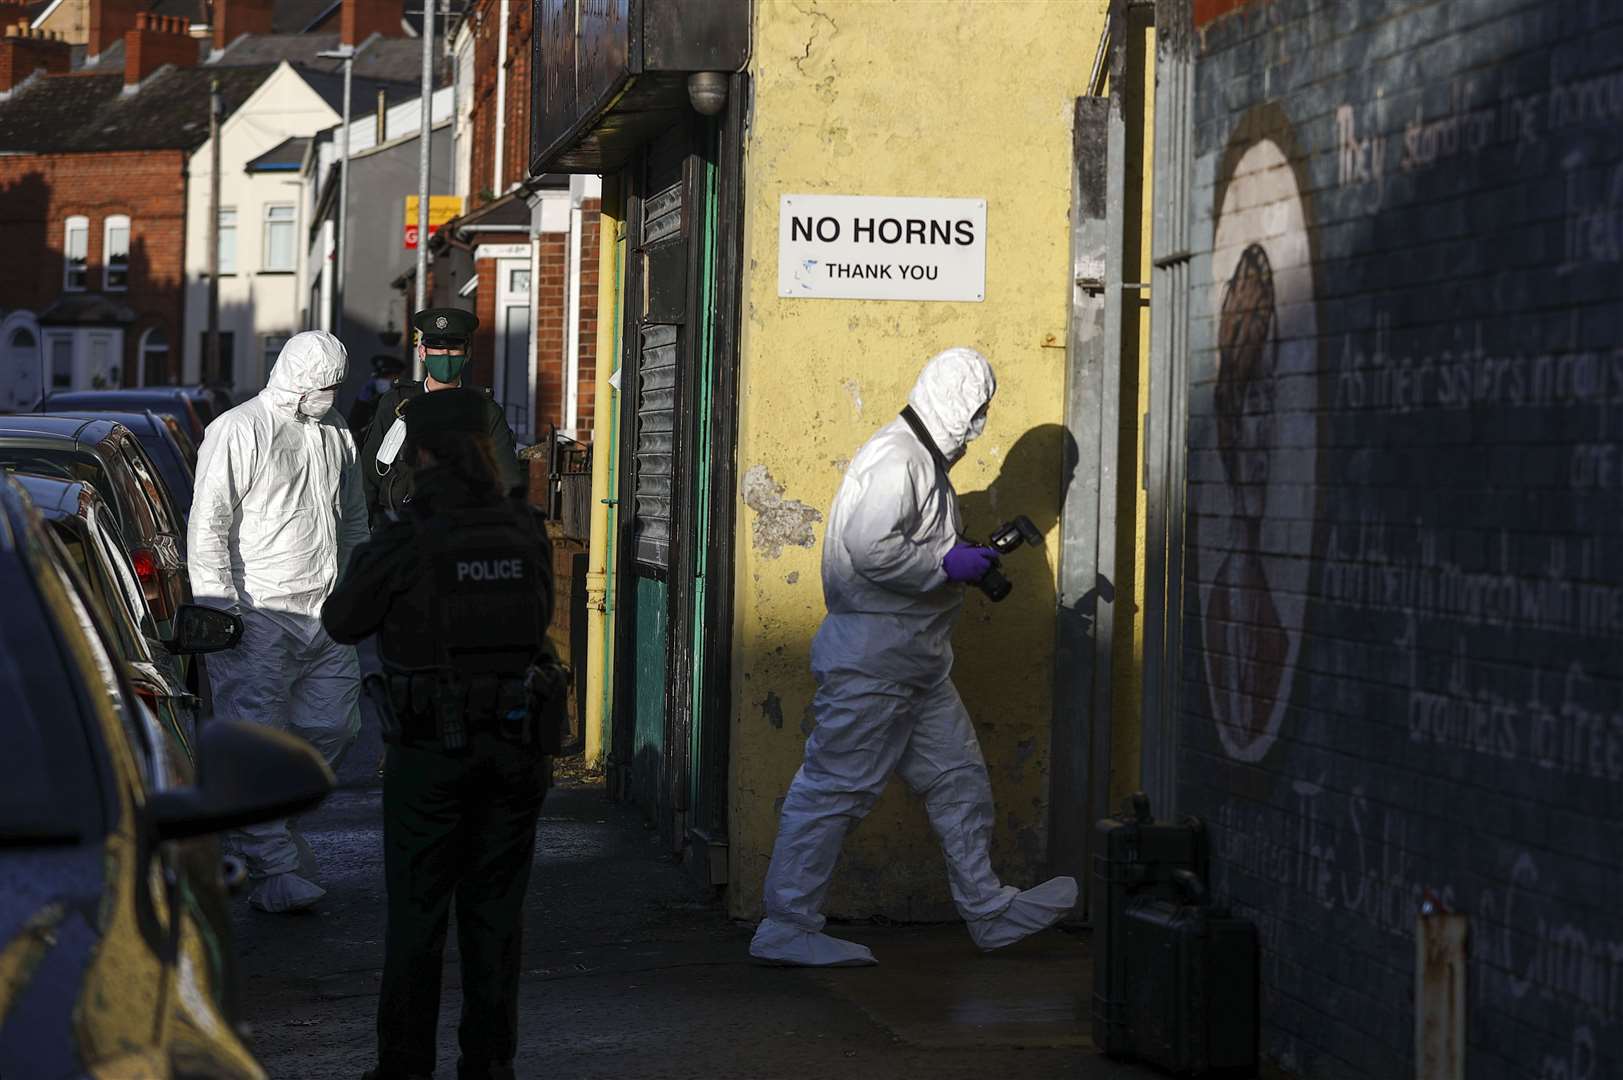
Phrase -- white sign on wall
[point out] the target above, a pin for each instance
(869, 247)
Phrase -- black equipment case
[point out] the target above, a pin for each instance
(1174, 983)
(1192, 1000)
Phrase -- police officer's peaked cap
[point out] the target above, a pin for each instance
(448, 410)
(444, 327)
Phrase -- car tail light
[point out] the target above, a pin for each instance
(146, 568)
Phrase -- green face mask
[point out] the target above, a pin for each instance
(445, 367)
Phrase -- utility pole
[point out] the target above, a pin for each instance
(346, 53)
(425, 133)
(211, 359)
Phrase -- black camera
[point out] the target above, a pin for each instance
(1007, 537)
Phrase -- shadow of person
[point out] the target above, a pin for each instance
(1005, 651)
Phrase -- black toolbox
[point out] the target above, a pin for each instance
(1192, 992)
(1134, 857)
(1174, 981)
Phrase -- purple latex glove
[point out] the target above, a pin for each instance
(968, 562)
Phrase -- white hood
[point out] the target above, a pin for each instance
(952, 388)
(309, 361)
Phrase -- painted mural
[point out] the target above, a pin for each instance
(1267, 332)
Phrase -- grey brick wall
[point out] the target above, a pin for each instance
(1403, 639)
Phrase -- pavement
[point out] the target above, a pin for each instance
(634, 970)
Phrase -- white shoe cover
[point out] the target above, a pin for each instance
(282, 893)
(786, 945)
(1036, 909)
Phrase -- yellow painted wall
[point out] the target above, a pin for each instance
(952, 99)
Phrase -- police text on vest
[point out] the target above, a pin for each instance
(490, 570)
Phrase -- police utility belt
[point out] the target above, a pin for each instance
(448, 708)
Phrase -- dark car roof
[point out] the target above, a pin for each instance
(77, 428)
(136, 421)
(122, 393)
(53, 496)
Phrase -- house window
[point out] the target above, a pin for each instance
(228, 240)
(279, 239)
(75, 250)
(273, 349)
(154, 370)
(116, 254)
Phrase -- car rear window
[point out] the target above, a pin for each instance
(106, 591)
(147, 483)
(64, 464)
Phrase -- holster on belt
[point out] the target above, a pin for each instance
(451, 712)
(376, 688)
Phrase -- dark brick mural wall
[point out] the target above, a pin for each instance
(1403, 642)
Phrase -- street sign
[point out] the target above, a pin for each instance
(441, 208)
(868, 247)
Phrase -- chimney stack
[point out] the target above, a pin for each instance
(155, 41)
(234, 18)
(110, 20)
(24, 51)
(361, 19)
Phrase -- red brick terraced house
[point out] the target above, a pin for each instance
(93, 206)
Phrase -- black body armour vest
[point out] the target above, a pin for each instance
(474, 622)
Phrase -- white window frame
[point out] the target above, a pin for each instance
(235, 236)
(112, 222)
(82, 224)
(292, 223)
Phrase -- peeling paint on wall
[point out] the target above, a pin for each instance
(854, 388)
(778, 521)
(772, 709)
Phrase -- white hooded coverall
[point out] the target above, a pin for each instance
(885, 700)
(276, 511)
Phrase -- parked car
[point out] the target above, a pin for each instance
(84, 525)
(88, 529)
(164, 400)
(209, 401)
(105, 454)
(108, 958)
(157, 436)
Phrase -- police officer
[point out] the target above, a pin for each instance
(459, 591)
(442, 347)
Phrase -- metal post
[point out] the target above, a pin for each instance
(211, 359)
(346, 53)
(424, 135)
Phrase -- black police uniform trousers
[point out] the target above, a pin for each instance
(462, 826)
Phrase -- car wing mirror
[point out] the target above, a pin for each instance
(246, 774)
(200, 629)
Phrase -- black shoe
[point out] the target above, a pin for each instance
(386, 1074)
(484, 1070)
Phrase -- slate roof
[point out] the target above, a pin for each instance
(380, 59)
(285, 156)
(88, 113)
(363, 91)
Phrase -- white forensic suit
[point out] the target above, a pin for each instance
(885, 700)
(277, 509)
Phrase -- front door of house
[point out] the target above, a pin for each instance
(511, 373)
